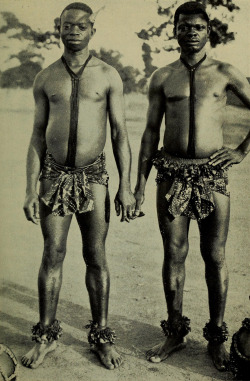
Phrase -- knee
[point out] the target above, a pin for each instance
(214, 255)
(176, 250)
(54, 254)
(94, 256)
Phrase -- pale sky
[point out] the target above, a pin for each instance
(117, 23)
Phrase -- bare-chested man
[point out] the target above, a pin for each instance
(192, 174)
(73, 98)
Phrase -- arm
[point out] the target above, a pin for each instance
(124, 200)
(240, 86)
(150, 138)
(36, 151)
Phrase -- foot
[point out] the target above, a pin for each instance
(219, 356)
(162, 351)
(108, 355)
(36, 355)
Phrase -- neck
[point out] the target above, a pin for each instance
(193, 58)
(76, 58)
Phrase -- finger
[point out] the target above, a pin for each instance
(227, 165)
(221, 158)
(130, 212)
(125, 217)
(138, 207)
(117, 207)
(220, 161)
(137, 213)
(123, 214)
(215, 154)
(36, 210)
(223, 155)
(28, 214)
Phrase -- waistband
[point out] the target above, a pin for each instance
(100, 160)
(183, 160)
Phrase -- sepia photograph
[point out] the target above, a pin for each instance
(125, 196)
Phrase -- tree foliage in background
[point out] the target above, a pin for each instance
(31, 59)
(219, 30)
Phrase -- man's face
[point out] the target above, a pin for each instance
(192, 33)
(76, 29)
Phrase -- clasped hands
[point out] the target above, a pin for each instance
(128, 205)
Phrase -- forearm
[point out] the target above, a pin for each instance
(35, 156)
(149, 145)
(244, 147)
(122, 154)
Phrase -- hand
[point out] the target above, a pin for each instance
(226, 157)
(139, 198)
(125, 204)
(31, 208)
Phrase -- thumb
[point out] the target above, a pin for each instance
(117, 207)
(138, 208)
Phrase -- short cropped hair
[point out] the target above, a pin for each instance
(190, 8)
(78, 5)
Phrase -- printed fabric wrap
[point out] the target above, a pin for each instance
(194, 181)
(69, 191)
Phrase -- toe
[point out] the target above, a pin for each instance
(24, 360)
(155, 359)
(34, 364)
(120, 360)
(109, 365)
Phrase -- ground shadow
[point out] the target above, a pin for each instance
(134, 337)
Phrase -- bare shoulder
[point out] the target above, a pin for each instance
(109, 73)
(46, 75)
(160, 75)
(232, 73)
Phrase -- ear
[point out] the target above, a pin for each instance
(174, 31)
(208, 29)
(93, 30)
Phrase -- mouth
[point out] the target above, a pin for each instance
(74, 41)
(192, 41)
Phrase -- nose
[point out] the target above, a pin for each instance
(74, 29)
(192, 32)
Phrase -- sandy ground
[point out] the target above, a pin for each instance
(135, 258)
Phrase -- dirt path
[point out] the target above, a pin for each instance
(135, 259)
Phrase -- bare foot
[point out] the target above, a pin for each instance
(108, 355)
(35, 356)
(219, 356)
(162, 351)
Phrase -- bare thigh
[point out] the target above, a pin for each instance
(54, 228)
(174, 231)
(94, 225)
(214, 228)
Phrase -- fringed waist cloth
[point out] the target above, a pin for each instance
(194, 181)
(69, 191)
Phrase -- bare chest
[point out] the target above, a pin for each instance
(205, 88)
(90, 88)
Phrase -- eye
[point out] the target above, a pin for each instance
(66, 27)
(183, 28)
(200, 27)
(82, 27)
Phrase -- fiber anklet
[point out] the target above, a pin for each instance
(46, 334)
(100, 336)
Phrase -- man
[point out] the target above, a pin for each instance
(192, 174)
(73, 97)
(240, 352)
